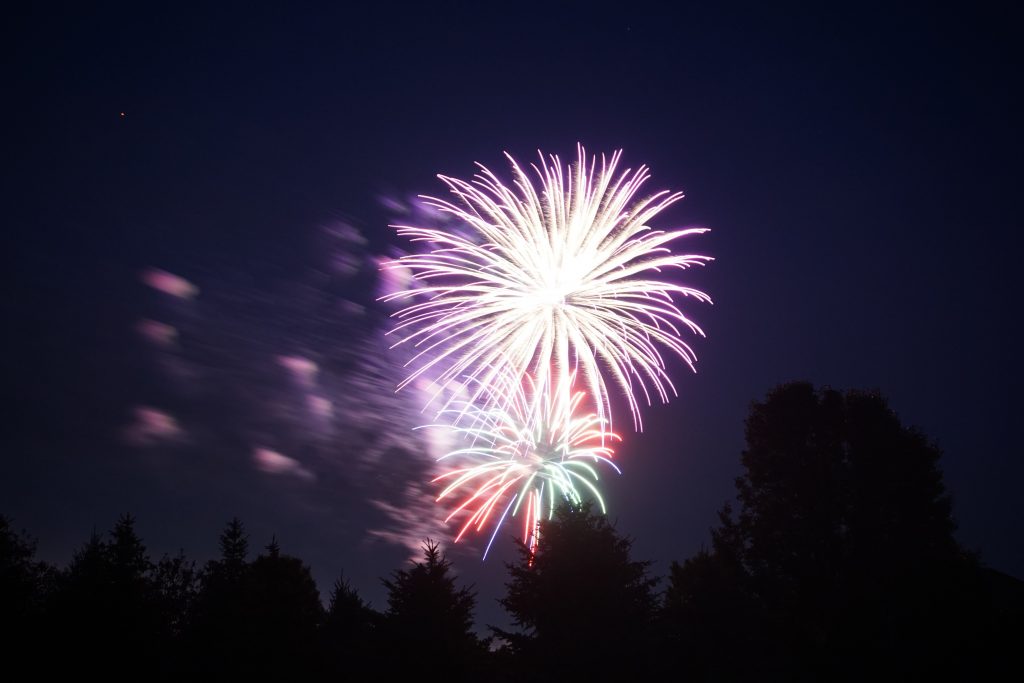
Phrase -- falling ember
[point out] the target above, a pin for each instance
(302, 369)
(157, 332)
(320, 406)
(273, 462)
(152, 426)
(169, 283)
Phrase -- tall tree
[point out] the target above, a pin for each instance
(842, 552)
(282, 610)
(709, 614)
(582, 606)
(106, 612)
(24, 588)
(177, 583)
(78, 615)
(234, 549)
(350, 636)
(430, 620)
(134, 600)
(216, 639)
(128, 558)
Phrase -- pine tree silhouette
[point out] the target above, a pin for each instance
(282, 611)
(431, 620)
(108, 594)
(25, 587)
(351, 635)
(216, 639)
(583, 607)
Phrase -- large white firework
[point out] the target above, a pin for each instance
(559, 273)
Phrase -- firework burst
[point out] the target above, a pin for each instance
(558, 274)
(523, 453)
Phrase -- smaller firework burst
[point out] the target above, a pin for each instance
(522, 453)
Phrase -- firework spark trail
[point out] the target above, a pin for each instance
(531, 447)
(567, 276)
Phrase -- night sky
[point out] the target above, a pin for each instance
(197, 201)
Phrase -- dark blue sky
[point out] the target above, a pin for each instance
(860, 169)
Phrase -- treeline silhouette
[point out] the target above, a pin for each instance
(838, 564)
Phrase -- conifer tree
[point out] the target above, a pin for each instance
(431, 619)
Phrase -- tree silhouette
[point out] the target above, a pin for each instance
(842, 555)
(216, 637)
(350, 636)
(129, 562)
(176, 584)
(107, 595)
(838, 563)
(234, 549)
(582, 606)
(709, 614)
(25, 584)
(133, 608)
(430, 621)
(282, 610)
(78, 616)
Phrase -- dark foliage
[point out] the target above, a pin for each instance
(217, 637)
(841, 562)
(351, 637)
(838, 563)
(177, 583)
(25, 586)
(108, 594)
(281, 612)
(583, 607)
(255, 618)
(430, 621)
